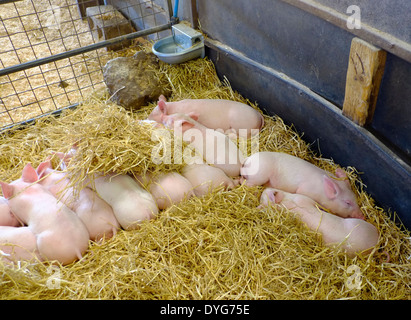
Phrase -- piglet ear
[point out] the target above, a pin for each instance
(162, 97)
(43, 167)
(162, 106)
(340, 173)
(7, 190)
(63, 163)
(29, 174)
(276, 196)
(271, 196)
(65, 157)
(330, 188)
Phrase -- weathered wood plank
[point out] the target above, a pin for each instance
(364, 74)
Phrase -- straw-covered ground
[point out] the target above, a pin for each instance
(221, 246)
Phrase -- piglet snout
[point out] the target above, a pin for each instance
(357, 214)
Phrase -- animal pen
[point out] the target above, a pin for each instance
(289, 59)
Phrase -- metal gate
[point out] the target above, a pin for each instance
(52, 52)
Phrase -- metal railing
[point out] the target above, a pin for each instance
(50, 57)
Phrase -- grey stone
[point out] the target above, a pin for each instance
(133, 81)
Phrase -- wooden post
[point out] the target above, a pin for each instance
(194, 14)
(364, 74)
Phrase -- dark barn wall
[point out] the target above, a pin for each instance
(388, 16)
(261, 43)
(278, 35)
(392, 117)
(313, 52)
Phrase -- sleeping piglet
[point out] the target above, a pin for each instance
(18, 243)
(7, 218)
(130, 202)
(295, 175)
(353, 235)
(96, 214)
(60, 234)
(168, 188)
(214, 147)
(204, 178)
(213, 113)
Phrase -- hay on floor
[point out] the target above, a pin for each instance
(221, 246)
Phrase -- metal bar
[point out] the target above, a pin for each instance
(377, 37)
(71, 53)
(170, 8)
(8, 1)
(25, 123)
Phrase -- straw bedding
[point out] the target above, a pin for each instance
(220, 246)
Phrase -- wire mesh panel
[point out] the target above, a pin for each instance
(35, 30)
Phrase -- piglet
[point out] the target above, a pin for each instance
(353, 235)
(213, 113)
(130, 202)
(168, 188)
(96, 214)
(204, 178)
(60, 234)
(295, 175)
(17, 244)
(7, 218)
(214, 147)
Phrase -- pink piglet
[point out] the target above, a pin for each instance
(226, 115)
(18, 243)
(213, 146)
(96, 214)
(353, 235)
(295, 175)
(60, 234)
(7, 218)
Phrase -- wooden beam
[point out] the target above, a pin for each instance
(364, 74)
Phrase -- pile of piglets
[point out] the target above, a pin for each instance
(290, 182)
(42, 218)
